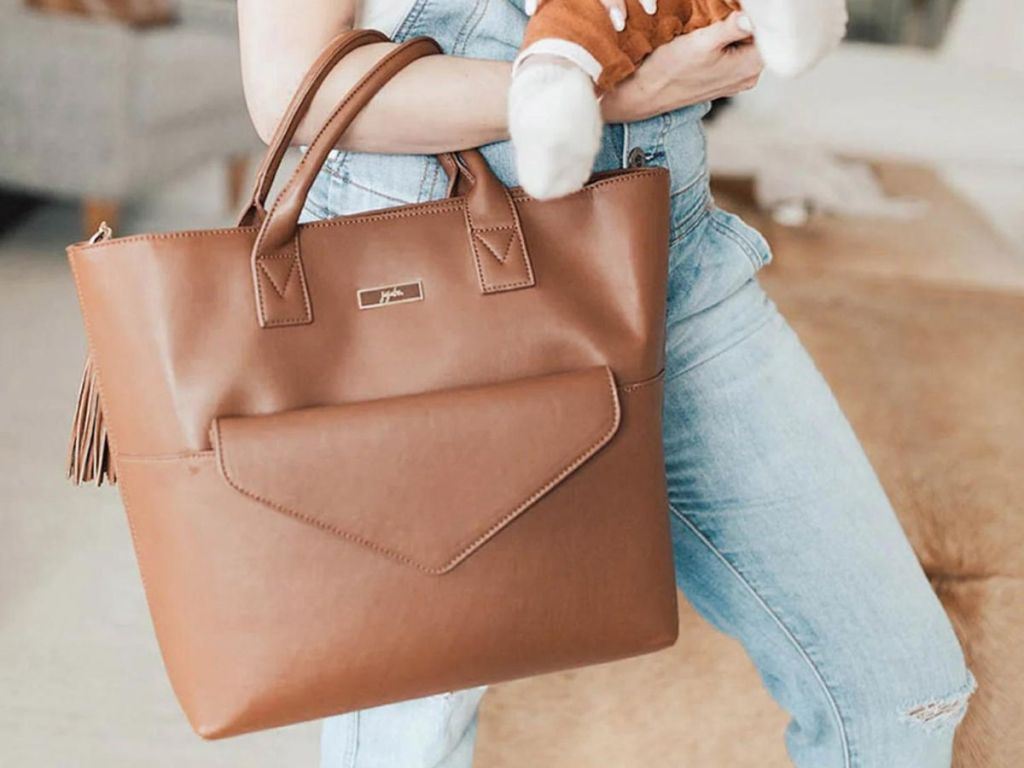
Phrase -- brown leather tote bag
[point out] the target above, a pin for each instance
(386, 455)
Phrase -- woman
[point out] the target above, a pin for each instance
(784, 538)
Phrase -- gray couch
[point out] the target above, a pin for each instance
(100, 112)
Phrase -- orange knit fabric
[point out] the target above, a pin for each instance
(586, 23)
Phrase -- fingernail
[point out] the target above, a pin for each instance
(618, 19)
(745, 24)
(530, 7)
(651, 6)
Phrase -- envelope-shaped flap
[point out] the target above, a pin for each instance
(425, 479)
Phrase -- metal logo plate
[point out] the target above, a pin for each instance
(387, 295)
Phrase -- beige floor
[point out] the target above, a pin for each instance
(81, 684)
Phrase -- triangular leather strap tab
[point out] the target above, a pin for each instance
(498, 241)
(495, 232)
(282, 297)
(280, 273)
(499, 250)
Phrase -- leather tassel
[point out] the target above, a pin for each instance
(89, 457)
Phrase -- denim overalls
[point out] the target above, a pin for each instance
(784, 539)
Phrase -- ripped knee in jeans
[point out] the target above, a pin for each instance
(941, 713)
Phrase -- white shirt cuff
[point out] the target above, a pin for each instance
(574, 52)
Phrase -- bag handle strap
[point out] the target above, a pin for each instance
(492, 220)
(336, 50)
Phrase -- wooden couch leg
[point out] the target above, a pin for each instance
(238, 178)
(95, 210)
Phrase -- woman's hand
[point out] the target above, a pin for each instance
(709, 63)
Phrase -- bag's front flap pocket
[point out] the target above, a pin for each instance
(425, 479)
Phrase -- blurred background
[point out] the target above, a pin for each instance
(890, 182)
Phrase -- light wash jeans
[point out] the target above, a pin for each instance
(783, 537)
